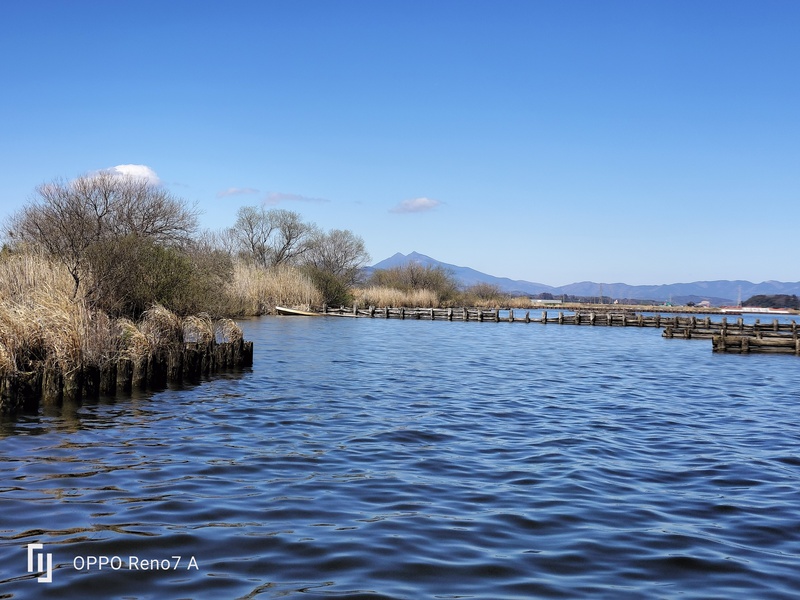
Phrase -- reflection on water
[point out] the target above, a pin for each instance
(413, 459)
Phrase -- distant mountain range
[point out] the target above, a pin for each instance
(717, 292)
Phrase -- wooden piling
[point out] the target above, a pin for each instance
(91, 381)
(52, 386)
(108, 378)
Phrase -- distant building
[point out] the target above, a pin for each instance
(704, 304)
(540, 302)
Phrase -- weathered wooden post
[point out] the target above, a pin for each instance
(527, 316)
(658, 319)
(511, 315)
(192, 361)
(108, 378)
(544, 317)
(91, 381)
(73, 385)
(156, 371)
(592, 317)
(175, 365)
(139, 373)
(739, 324)
(51, 386)
(402, 312)
(450, 314)
(23, 390)
(718, 343)
(124, 374)
(560, 318)
(465, 314)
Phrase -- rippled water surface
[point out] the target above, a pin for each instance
(411, 459)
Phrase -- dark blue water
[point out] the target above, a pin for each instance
(413, 459)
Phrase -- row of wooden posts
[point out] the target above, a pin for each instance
(737, 336)
(188, 362)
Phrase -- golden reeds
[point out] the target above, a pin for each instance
(39, 320)
(198, 329)
(133, 344)
(229, 331)
(26, 273)
(383, 296)
(161, 327)
(256, 290)
(7, 365)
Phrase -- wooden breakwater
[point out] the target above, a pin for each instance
(737, 336)
(769, 337)
(192, 356)
(776, 344)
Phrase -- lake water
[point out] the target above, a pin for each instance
(412, 459)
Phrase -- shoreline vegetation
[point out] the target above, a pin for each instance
(107, 284)
(55, 349)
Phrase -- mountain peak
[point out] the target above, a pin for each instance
(719, 292)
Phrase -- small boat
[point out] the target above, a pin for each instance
(283, 310)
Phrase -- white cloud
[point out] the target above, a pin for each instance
(136, 171)
(415, 205)
(274, 198)
(234, 191)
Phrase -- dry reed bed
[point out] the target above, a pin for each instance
(256, 291)
(53, 347)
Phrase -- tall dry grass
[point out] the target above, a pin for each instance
(383, 296)
(162, 328)
(256, 291)
(41, 325)
(40, 322)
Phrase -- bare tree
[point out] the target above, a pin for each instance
(339, 252)
(62, 223)
(146, 210)
(270, 237)
(68, 218)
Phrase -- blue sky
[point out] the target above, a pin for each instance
(637, 141)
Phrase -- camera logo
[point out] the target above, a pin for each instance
(40, 563)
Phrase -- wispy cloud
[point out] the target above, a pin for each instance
(415, 205)
(235, 191)
(274, 198)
